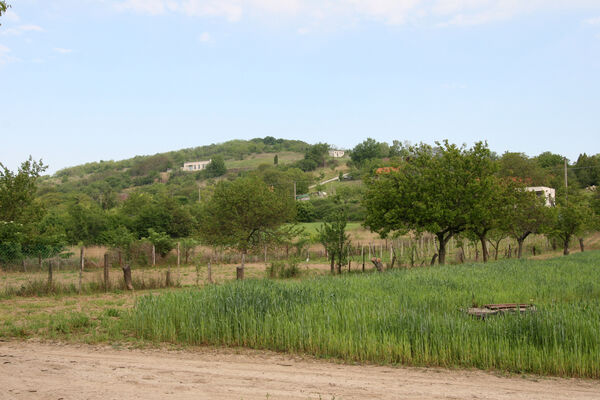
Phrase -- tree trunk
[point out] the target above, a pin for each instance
(566, 245)
(433, 259)
(442, 250)
(127, 277)
(581, 246)
(240, 270)
(484, 249)
(106, 277)
(520, 251)
(332, 264)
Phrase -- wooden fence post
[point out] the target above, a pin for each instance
(81, 263)
(127, 277)
(209, 272)
(50, 274)
(106, 277)
(362, 254)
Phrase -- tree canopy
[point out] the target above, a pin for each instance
(245, 213)
(436, 191)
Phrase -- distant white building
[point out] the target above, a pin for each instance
(336, 153)
(195, 166)
(548, 193)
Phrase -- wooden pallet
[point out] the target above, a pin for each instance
(495, 309)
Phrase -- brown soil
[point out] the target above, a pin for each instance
(52, 371)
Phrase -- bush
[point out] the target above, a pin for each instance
(284, 269)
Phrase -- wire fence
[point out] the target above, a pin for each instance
(96, 269)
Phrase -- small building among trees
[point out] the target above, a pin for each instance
(548, 193)
(336, 153)
(195, 166)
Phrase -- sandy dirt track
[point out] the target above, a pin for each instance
(52, 371)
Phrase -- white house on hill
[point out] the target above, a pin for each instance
(336, 153)
(548, 193)
(195, 166)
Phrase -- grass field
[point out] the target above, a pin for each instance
(412, 317)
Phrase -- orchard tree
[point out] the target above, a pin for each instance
(435, 191)
(489, 212)
(244, 214)
(527, 214)
(572, 219)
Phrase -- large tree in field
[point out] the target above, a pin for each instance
(244, 214)
(434, 190)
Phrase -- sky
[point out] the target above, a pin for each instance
(90, 80)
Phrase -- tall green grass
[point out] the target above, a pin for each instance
(412, 317)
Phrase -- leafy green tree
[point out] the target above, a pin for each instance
(216, 167)
(491, 210)
(522, 168)
(572, 219)
(163, 244)
(588, 170)
(187, 247)
(18, 192)
(305, 211)
(526, 215)
(314, 157)
(46, 238)
(332, 235)
(367, 150)
(85, 222)
(435, 191)
(244, 214)
(11, 237)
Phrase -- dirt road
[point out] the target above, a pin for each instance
(52, 371)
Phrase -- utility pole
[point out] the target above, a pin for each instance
(566, 183)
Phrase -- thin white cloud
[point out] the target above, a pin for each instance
(393, 12)
(21, 29)
(61, 50)
(5, 55)
(593, 21)
(205, 37)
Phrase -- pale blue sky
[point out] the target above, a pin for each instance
(109, 79)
